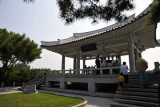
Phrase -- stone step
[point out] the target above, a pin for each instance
(137, 76)
(36, 80)
(116, 104)
(144, 94)
(148, 87)
(139, 98)
(132, 79)
(133, 83)
(139, 90)
(139, 103)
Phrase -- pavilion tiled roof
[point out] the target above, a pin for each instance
(82, 36)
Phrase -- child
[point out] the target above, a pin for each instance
(121, 81)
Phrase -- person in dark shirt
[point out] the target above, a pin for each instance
(97, 61)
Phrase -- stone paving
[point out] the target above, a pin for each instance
(92, 101)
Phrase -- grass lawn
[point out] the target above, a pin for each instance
(37, 100)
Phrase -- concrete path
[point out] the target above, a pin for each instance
(92, 101)
(7, 90)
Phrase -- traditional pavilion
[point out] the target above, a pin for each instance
(130, 37)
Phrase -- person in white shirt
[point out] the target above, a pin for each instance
(124, 70)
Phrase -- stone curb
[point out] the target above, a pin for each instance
(10, 92)
(81, 105)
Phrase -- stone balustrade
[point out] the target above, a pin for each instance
(90, 71)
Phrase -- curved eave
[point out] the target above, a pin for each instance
(85, 35)
(95, 35)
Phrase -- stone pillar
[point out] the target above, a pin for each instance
(47, 84)
(63, 64)
(91, 85)
(140, 55)
(62, 83)
(108, 58)
(131, 57)
(74, 62)
(84, 62)
(119, 59)
(104, 53)
(136, 54)
(78, 63)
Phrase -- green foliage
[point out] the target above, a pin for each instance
(154, 15)
(22, 73)
(15, 48)
(71, 10)
(37, 100)
(28, 1)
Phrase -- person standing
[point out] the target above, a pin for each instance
(85, 69)
(121, 82)
(142, 65)
(124, 70)
(97, 61)
(143, 79)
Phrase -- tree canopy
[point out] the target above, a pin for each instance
(16, 48)
(73, 10)
(154, 15)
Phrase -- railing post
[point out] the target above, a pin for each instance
(63, 72)
(83, 71)
(70, 72)
(156, 66)
(110, 71)
(76, 71)
(101, 71)
(91, 71)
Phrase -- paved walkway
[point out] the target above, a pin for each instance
(7, 90)
(92, 101)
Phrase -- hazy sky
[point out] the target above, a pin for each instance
(40, 22)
